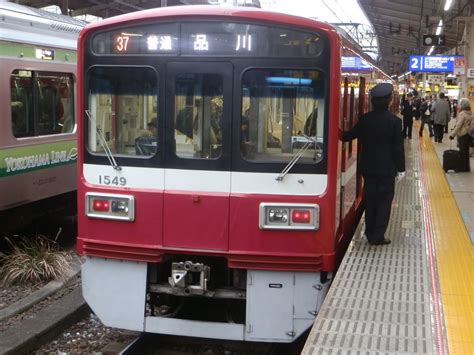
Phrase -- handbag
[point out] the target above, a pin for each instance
(427, 112)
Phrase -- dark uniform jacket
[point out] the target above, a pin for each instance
(408, 109)
(380, 135)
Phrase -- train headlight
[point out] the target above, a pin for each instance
(278, 215)
(289, 216)
(110, 206)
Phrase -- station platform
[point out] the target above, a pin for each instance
(415, 295)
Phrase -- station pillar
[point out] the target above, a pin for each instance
(467, 80)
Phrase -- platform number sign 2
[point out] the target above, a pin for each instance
(415, 63)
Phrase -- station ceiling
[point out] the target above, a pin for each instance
(399, 24)
(105, 8)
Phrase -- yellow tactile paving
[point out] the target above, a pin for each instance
(454, 254)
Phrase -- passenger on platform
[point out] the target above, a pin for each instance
(382, 159)
(461, 132)
(431, 106)
(455, 108)
(407, 112)
(416, 106)
(425, 116)
(440, 112)
(450, 113)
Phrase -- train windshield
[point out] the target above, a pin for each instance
(123, 109)
(282, 114)
(208, 95)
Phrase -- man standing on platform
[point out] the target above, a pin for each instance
(440, 111)
(408, 110)
(382, 159)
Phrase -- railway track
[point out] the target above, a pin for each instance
(153, 344)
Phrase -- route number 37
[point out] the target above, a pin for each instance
(112, 180)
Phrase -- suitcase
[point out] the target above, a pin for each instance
(450, 160)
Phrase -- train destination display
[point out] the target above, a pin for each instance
(190, 38)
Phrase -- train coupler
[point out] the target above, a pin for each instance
(189, 276)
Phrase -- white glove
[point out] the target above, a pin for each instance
(400, 176)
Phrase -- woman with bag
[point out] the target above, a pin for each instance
(425, 108)
(461, 131)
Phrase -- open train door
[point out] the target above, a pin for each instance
(362, 110)
(198, 137)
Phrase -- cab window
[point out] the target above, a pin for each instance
(282, 115)
(122, 111)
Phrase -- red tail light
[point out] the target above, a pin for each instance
(301, 216)
(110, 206)
(100, 205)
(291, 216)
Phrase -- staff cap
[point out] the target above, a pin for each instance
(381, 90)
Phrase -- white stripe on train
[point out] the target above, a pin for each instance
(206, 181)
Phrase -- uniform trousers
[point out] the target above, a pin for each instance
(378, 193)
(407, 126)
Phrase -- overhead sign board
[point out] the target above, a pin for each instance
(354, 63)
(433, 40)
(435, 78)
(438, 63)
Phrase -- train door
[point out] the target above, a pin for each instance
(342, 160)
(362, 109)
(350, 169)
(197, 174)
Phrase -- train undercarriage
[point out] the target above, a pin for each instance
(201, 297)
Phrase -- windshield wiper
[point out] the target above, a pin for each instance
(297, 156)
(103, 143)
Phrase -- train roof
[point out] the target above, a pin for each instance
(209, 11)
(23, 24)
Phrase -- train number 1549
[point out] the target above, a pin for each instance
(112, 180)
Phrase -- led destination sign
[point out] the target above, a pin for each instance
(420, 63)
(208, 38)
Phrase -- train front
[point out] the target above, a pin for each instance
(205, 173)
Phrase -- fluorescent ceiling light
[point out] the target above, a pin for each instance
(439, 28)
(447, 5)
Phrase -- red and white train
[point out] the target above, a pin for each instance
(217, 197)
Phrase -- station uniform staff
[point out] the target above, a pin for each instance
(382, 158)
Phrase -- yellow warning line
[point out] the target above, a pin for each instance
(454, 254)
